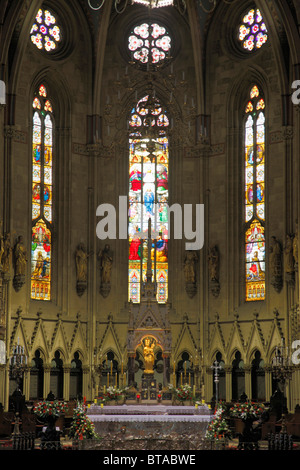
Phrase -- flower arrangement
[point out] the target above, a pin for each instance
(182, 393)
(247, 410)
(55, 408)
(219, 428)
(81, 426)
(112, 393)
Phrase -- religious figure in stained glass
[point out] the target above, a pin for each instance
(42, 154)
(254, 150)
(148, 198)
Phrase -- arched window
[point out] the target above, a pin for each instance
(57, 376)
(149, 43)
(76, 377)
(254, 152)
(253, 31)
(258, 378)
(42, 195)
(148, 197)
(238, 377)
(45, 33)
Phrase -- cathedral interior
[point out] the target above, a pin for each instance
(146, 148)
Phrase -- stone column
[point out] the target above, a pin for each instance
(208, 384)
(66, 393)
(228, 382)
(248, 388)
(47, 370)
(85, 380)
(26, 383)
(131, 359)
(2, 382)
(268, 382)
(166, 373)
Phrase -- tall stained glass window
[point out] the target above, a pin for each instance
(149, 43)
(254, 151)
(148, 197)
(42, 191)
(253, 32)
(45, 33)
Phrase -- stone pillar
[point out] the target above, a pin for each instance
(208, 384)
(131, 359)
(26, 383)
(47, 370)
(248, 387)
(166, 373)
(228, 382)
(66, 393)
(2, 383)
(268, 382)
(85, 380)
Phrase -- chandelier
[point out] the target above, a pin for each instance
(207, 6)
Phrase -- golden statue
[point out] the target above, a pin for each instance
(149, 355)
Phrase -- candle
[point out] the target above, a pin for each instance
(181, 378)
(95, 401)
(203, 402)
(101, 405)
(108, 379)
(104, 389)
(196, 406)
(111, 367)
(116, 379)
(194, 390)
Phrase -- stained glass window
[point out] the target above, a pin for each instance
(254, 150)
(253, 31)
(148, 197)
(45, 32)
(42, 181)
(149, 43)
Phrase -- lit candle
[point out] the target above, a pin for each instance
(108, 379)
(180, 378)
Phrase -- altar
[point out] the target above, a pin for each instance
(131, 426)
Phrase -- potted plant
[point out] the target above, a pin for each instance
(181, 394)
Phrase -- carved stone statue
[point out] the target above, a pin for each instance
(20, 259)
(190, 266)
(288, 255)
(295, 247)
(81, 258)
(275, 264)
(81, 263)
(213, 263)
(148, 353)
(6, 256)
(106, 260)
(213, 270)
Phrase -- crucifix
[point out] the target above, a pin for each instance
(216, 367)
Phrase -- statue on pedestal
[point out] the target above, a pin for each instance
(148, 352)
(20, 256)
(190, 272)
(106, 260)
(213, 267)
(275, 264)
(81, 257)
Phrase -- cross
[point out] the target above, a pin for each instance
(216, 367)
